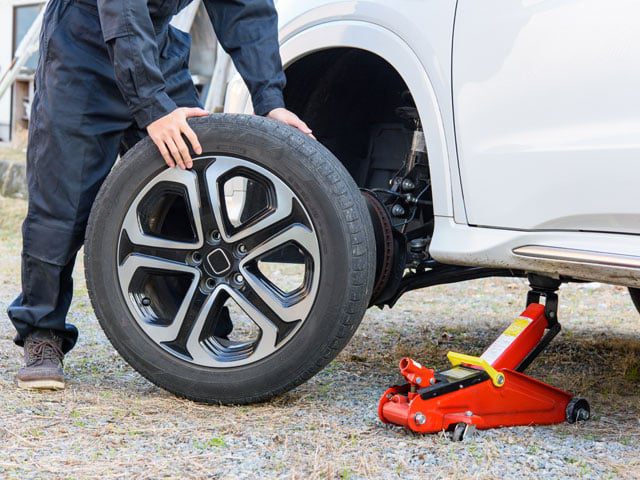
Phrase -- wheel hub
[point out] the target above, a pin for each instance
(217, 263)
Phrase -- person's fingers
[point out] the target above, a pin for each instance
(300, 125)
(285, 116)
(175, 153)
(193, 139)
(164, 152)
(195, 112)
(183, 149)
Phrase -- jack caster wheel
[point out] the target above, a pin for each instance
(462, 431)
(578, 410)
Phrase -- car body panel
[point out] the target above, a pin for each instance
(498, 248)
(547, 113)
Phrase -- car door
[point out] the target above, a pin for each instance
(546, 99)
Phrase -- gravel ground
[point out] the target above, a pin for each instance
(112, 423)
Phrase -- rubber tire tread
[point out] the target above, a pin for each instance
(345, 197)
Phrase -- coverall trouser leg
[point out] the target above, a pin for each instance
(78, 122)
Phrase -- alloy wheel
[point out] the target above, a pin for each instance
(225, 242)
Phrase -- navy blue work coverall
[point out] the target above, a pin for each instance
(109, 68)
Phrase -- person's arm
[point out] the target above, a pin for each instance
(248, 31)
(130, 38)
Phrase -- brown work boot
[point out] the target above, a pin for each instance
(43, 362)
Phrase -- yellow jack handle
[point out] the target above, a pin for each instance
(459, 358)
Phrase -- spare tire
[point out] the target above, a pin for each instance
(236, 280)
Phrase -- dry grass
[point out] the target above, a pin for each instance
(14, 153)
(111, 423)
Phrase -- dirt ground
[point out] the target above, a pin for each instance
(112, 423)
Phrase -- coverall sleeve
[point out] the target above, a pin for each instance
(248, 31)
(131, 42)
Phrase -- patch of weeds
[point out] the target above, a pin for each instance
(475, 453)
(346, 473)
(79, 423)
(584, 469)
(450, 454)
(632, 372)
(80, 291)
(213, 442)
(331, 368)
(569, 460)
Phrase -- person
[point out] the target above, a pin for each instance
(109, 73)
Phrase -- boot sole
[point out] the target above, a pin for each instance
(41, 384)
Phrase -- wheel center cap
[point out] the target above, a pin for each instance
(218, 262)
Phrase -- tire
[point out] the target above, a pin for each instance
(164, 252)
(635, 297)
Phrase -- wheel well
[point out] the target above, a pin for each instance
(361, 109)
(350, 97)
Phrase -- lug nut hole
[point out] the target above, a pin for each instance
(196, 258)
(210, 283)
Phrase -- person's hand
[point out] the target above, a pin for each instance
(285, 116)
(166, 133)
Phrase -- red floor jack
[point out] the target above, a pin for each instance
(488, 391)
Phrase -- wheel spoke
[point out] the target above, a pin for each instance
(133, 228)
(283, 198)
(128, 248)
(203, 355)
(298, 234)
(288, 311)
(133, 263)
(275, 316)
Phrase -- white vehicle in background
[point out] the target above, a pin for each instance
(464, 139)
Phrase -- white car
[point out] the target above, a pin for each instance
(530, 113)
(477, 138)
